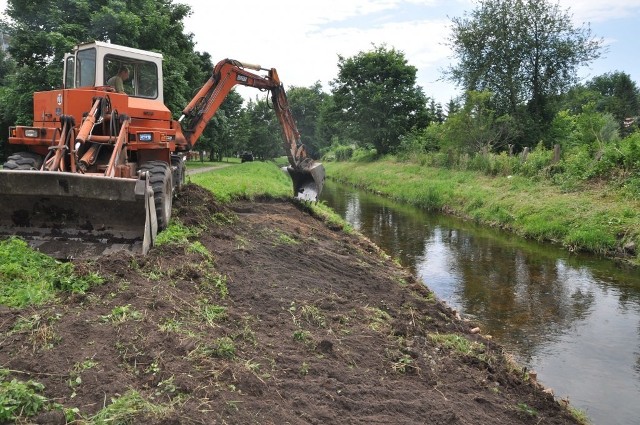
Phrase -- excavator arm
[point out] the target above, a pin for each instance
(307, 175)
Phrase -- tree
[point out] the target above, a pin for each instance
(306, 104)
(43, 31)
(477, 127)
(220, 137)
(265, 135)
(620, 97)
(7, 115)
(435, 111)
(523, 51)
(377, 99)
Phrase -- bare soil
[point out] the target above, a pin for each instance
(318, 327)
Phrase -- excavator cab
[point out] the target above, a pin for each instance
(93, 64)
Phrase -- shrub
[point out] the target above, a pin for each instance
(538, 160)
(343, 153)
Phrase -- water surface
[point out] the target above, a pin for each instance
(574, 319)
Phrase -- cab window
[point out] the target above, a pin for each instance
(69, 69)
(86, 68)
(143, 75)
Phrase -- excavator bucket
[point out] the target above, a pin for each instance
(307, 181)
(71, 215)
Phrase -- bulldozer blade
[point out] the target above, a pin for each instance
(307, 181)
(69, 215)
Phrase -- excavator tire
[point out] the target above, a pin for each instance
(161, 183)
(23, 161)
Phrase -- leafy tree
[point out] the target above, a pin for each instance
(306, 105)
(7, 116)
(435, 112)
(453, 106)
(376, 98)
(43, 31)
(477, 127)
(265, 134)
(619, 96)
(524, 51)
(220, 136)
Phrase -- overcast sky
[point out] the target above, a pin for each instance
(302, 39)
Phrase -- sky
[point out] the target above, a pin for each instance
(303, 39)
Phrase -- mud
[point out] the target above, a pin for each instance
(317, 327)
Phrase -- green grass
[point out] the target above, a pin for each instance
(28, 277)
(460, 344)
(597, 219)
(250, 180)
(261, 179)
(125, 408)
(19, 398)
(176, 233)
(207, 163)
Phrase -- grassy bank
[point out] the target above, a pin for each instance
(595, 220)
(253, 180)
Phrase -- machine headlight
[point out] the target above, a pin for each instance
(145, 137)
(31, 132)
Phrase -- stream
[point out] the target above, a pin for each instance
(572, 318)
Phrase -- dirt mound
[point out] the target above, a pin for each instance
(280, 320)
(196, 206)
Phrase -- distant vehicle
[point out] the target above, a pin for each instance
(246, 157)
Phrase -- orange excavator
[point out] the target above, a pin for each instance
(97, 170)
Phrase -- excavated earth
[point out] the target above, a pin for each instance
(268, 316)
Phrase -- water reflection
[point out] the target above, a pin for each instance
(574, 319)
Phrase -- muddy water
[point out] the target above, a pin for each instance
(573, 319)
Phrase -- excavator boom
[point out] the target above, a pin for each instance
(307, 175)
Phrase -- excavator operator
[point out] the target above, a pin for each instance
(117, 81)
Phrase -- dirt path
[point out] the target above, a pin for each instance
(191, 171)
(270, 318)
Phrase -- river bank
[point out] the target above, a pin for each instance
(596, 219)
(257, 312)
(266, 315)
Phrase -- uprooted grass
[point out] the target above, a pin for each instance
(30, 278)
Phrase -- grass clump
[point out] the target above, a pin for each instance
(460, 344)
(527, 410)
(176, 233)
(19, 398)
(212, 313)
(121, 314)
(378, 319)
(28, 277)
(124, 409)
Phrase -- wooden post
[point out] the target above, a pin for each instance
(556, 153)
(525, 154)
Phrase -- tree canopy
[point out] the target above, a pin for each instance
(43, 31)
(523, 51)
(377, 99)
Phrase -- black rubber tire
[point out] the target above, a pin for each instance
(161, 182)
(23, 161)
(181, 171)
